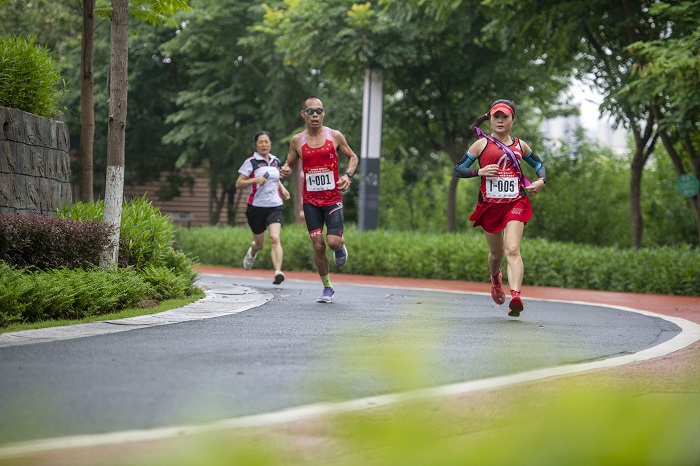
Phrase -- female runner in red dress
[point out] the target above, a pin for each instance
(503, 208)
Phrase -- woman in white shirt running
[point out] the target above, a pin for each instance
(260, 173)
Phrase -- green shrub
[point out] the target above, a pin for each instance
(33, 296)
(13, 287)
(41, 285)
(46, 242)
(146, 236)
(29, 77)
(165, 283)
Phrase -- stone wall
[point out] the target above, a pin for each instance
(34, 164)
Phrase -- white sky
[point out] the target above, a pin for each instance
(588, 101)
(599, 127)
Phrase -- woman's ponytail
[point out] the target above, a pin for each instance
(479, 121)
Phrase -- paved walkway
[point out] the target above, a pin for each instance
(232, 299)
(677, 372)
(672, 375)
(686, 307)
(664, 374)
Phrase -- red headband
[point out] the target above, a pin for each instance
(502, 107)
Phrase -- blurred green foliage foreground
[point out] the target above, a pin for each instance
(463, 256)
(603, 418)
(574, 428)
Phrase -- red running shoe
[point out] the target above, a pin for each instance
(515, 305)
(497, 293)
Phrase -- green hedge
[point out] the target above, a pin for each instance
(462, 256)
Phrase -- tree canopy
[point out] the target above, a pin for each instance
(200, 88)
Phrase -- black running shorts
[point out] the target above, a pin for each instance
(330, 215)
(260, 217)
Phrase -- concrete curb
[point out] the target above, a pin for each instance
(224, 300)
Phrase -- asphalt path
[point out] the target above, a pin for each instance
(279, 349)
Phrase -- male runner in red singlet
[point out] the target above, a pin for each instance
(318, 147)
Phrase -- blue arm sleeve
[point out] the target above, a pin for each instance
(537, 164)
(462, 169)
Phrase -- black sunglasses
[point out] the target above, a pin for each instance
(310, 111)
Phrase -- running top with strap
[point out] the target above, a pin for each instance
(320, 167)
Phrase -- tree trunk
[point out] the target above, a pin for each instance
(644, 143)
(87, 107)
(680, 170)
(454, 153)
(637, 221)
(452, 206)
(695, 164)
(217, 203)
(231, 204)
(116, 134)
(695, 204)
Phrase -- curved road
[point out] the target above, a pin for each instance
(278, 349)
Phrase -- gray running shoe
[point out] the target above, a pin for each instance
(249, 259)
(341, 256)
(327, 296)
(279, 277)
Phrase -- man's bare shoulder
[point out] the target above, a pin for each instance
(337, 136)
(295, 141)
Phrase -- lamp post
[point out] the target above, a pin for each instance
(372, 111)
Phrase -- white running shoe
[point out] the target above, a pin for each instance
(279, 277)
(249, 259)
